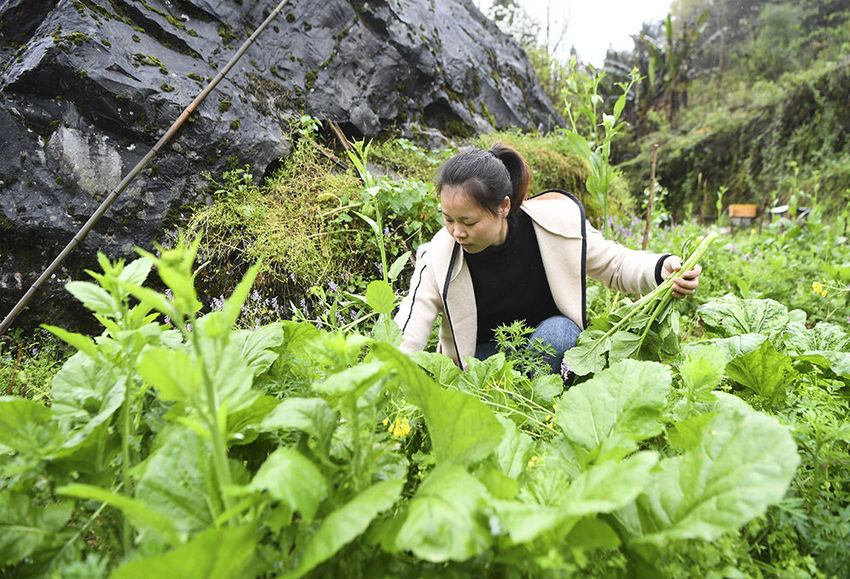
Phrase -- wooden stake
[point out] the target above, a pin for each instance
(651, 197)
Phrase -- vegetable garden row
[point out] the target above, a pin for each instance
(718, 444)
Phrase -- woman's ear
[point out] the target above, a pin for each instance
(505, 207)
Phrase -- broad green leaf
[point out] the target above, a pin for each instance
(512, 452)
(440, 366)
(733, 316)
(93, 297)
(353, 380)
(743, 463)
(823, 337)
(588, 356)
(398, 266)
(607, 486)
(28, 427)
(556, 465)
(498, 484)
(258, 345)
(181, 283)
(347, 523)
(153, 300)
(243, 425)
(294, 480)
(623, 345)
(461, 427)
(311, 415)
(606, 416)
(213, 554)
(443, 521)
(179, 482)
(546, 388)
(85, 395)
(524, 522)
(175, 374)
(836, 363)
(764, 371)
(702, 369)
(81, 342)
(387, 330)
(136, 272)
(137, 511)
(593, 534)
(735, 347)
(380, 297)
(687, 433)
(25, 525)
(233, 378)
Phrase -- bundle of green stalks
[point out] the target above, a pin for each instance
(634, 323)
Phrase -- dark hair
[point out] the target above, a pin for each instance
(488, 176)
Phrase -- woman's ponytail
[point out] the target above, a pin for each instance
(518, 170)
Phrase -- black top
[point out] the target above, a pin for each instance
(509, 280)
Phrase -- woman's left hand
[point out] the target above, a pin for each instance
(685, 285)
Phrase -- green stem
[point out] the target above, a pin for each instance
(222, 470)
(515, 411)
(380, 223)
(660, 296)
(125, 467)
(351, 402)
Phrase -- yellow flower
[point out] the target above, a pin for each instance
(400, 428)
(548, 418)
(817, 287)
(531, 462)
(385, 421)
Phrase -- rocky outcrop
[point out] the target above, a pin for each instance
(88, 86)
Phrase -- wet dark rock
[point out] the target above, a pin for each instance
(87, 87)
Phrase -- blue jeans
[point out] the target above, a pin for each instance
(560, 332)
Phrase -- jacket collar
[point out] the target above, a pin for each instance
(547, 211)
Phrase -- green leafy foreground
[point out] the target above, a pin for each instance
(199, 450)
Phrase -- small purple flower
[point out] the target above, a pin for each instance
(167, 321)
(303, 304)
(255, 296)
(333, 287)
(565, 369)
(292, 276)
(169, 295)
(380, 267)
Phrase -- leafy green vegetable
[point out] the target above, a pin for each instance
(742, 463)
(605, 417)
(732, 316)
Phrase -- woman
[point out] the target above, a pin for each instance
(502, 257)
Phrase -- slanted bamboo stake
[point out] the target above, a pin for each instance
(81, 234)
(651, 196)
(340, 135)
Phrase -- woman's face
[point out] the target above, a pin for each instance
(472, 226)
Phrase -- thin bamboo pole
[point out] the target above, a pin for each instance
(651, 197)
(81, 234)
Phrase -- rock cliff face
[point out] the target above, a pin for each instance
(88, 86)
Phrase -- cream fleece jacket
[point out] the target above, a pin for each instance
(571, 249)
